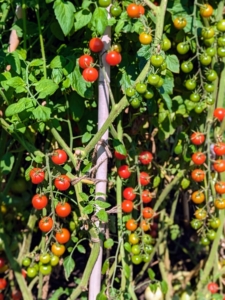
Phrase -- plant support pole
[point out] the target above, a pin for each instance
(102, 161)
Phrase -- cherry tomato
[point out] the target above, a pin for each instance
(39, 201)
(149, 94)
(219, 165)
(145, 157)
(26, 262)
(96, 44)
(136, 259)
(16, 295)
(3, 283)
(148, 239)
(153, 79)
(211, 75)
(119, 155)
(156, 60)
(144, 178)
(195, 97)
(85, 61)
(166, 44)
(63, 209)
(2, 262)
(62, 236)
(45, 224)
(205, 241)
(205, 59)
(200, 214)
(135, 103)
(146, 258)
(147, 212)
(90, 74)
(129, 193)
(104, 3)
(37, 175)
(220, 187)
(127, 206)
(219, 113)
(221, 25)
(213, 287)
(187, 66)
(211, 234)
(190, 84)
(130, 92)
(148, 249)
(179, 23)
(209, 87)
(54, 260)
(45, 269)
(1, 297)
(113, 58)
(62, 182)
(45, 258)
(198, 197)
(115, 10)
(215, 222)
(197, 138)
(207, 32)
(211, 51)
(144, 225)
(124, 172)
(219, 148)
(206, 10)
(141, 10)
(133, 10)
(198, 175)
(131, 225)
(196, 224)
(221, 51)
(116, 47)
(198, 158)
(59, 157)
(31, 272)
(145, 38)
(182, 48)
(58, 249)
(133, 239)
(146, 196)
(219, 203)
(209, 42)
(141, 87)
(136, 249)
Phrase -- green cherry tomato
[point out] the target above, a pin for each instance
(148, 249)
(211, 234)
(148, 239)
(190, 84)
(221, 41)
(209, 42)
(104, 3)
(141, 88)
(195, 97)
(115, 10)
(221, 51)
(209, 87)
(146, 258)
(160, 83)
(199, 108)
(205, 59)
(182, 48)
(211, 75)
(26, 262)
(45, 258)
(187, 66)
(135, 103)
(210, 101)
(196, 224)
(178, 149)
(156, 60)
(221, 25)
(136, 259)
(153, 79)
(32, 272)
(136, 249)
(204, 241)
(130, 92)
(45, 269)
(166, 44)
(207, 32)
(185, 183)
(163, 67)
(211, 51)
(54, 260)
(214, 223)
(149, 94)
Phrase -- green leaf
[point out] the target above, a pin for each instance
(21, 105)
(102, 204)
(76, 106)
(127, 247)
(56, 295)
(74, 239)
(168, 85)
(69, 266)
(15, 81)
(99, 20)
(57, 75)
(119, 26)
(45, 87)
(64, 12)
(153, 287)
(151, 274)
(6, 163)
(86, 3)
(145, 51)
(36, 63)
(173, 63)
(82, 18)
(164, 286)
(13, 60)
(119, 147)
(156, 181)
(77, 82)
(102, 215)
(86, 137)
(38, 159)
(88, 209)
(81, 249)
(84, 196)
(57, 31)
(42, 113)
(105, 266)
(58, 62)
(126, 270)
(108, 244)
(101, 296)
(168, 100)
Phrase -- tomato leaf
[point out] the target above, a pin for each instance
(173, 63)
(151, 274)
(105, 266)
(102, 204)
(82, 18)
(153, 287)
(57, 31)
(6, 163)
(99, 20)
(164, 287)
(84, 196)
(15, 82)
(101, 296)
(102, 215)
(36, 62)
(81, 249)
(126, 270)
(59, 292)
(88, 209)
(86, 137)
(108, 243)
(69, 265)
(45, 87)
(127, 247)
(58, 62)
(14, 61)
(119, 26)
(145, 51)
(21, 105)
(167, 100)
(42, 113)
(64, 12)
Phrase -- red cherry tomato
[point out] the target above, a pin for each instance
(127, 206)
(129, 193)
(144, 178)
(113, 58)
(62, 236)
(213, 287)
(145, 157)
(39, 201)
(219, 148)
(62, 182)
(219, 113)
(3, 283)
(2, 262)
(147, 212)
(124, 172)
(90, 74)
(85, 61)
(1, 297)
(219, 165)
(141, 10)
(146, 196)
(220, 187)
(197, 138)
(119, 155)
(17, 295)
(59, 157)
(133, 10)
(37, 175)
(96, 44)
(198, 158)
(63, 209)
(198, 175)
(45, 224)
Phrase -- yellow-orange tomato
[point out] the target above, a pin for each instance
(144, 225)
(198, 197)
(145, 38)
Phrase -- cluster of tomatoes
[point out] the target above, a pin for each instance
(49, 224)
(142, 230)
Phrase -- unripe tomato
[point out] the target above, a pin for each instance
(45, 258)
(115, 10)
(187, 66)
(166, 44)
(221, 25)
(206, 10)
(104, 3)
(156, 60)
(179, 23)
(182, 48)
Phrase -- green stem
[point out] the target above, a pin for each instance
(69, 122)
(24, 17)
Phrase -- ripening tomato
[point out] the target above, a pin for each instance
(113, 58)
(90, 74)
(200, 214)
(207, 32)
(85, 61)
(215, 222)
(219, 165)
(127, 206)
(198, 175)
(219, 148)
(2, 262)
(206, 10)
(96, 44)
(46, 224)
(219, 113)
(119, 156)
(198, 197)
(198, 158)
(39, 201)
(146, 196)
(16, 295)
(145, 157)
(129, 193)
(141, 10)
(179, 23)
(58, 249)
(133, 239)
(3, 283)
(144, 225)
(145, 38)
(147, 212)
(197, 138)
(220, 187)
(37, 175)
(219, 203)
(213, 287)
(62, 182)
(131, 225)
(144, 178)
(116, 47)
(62, 236)
(59, 157)
(63, 209)
(124, 172)
(133, 10)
